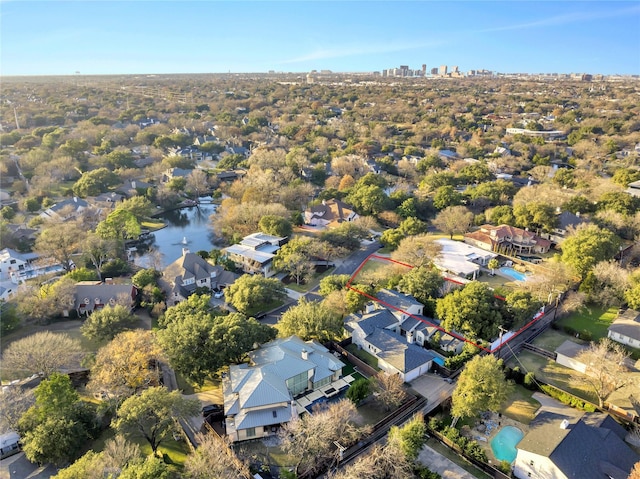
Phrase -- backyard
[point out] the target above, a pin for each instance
(594, 319)
(552, 373)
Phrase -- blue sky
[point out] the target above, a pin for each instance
(119, 37)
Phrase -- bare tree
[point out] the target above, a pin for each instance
(311, 437)
(41, 353)
(389, 388)
(214, 459)
(15, 402)
(419, 250)
(454, 219)
(606, 369)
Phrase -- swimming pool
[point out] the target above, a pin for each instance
(512, 273)
(504, 443)
(438, 360)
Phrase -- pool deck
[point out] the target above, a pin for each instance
(492, 424)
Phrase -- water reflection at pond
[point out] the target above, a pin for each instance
(186, 228)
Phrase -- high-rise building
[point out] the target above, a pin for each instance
(454, 69)
(434, 71)
(424, 68)
(443, 70)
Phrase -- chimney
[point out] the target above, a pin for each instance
(370, 307)
(578, 214)
(564, 424)
(324, 202)
(305, 354)
(75, 199)
(410, 337)
(185, 251)
(133, 184)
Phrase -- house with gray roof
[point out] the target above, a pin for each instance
(566, 221)
(574, 445)
(259, 397)
(567, 355)
(90, 296)
(191, 271)
(378, 333)
(66, 209)
(626, 328)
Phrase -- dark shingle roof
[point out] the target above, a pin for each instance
(589, 448)
(395, 350)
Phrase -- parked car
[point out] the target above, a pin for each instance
(218, 294)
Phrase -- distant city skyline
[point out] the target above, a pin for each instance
(155, 37)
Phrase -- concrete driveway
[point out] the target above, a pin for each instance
(18, 467)
(438, 463)
(434, 388)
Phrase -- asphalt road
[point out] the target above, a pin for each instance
(348, 266)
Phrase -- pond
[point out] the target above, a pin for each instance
(186, 228)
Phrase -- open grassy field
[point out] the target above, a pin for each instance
(177, 451)
(594, 319)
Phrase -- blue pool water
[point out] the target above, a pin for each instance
(438, 360)
(504, 443)
(512, 273)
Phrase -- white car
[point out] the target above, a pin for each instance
(218, 294)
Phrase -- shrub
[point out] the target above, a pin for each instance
(567, 398)
(530, 381)
(435, 424)
(116, 267)
(505, 466)
(358, 390)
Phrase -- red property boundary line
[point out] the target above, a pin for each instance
(455, 335)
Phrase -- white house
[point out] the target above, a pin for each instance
(259, 397)
(461, 259)
(626, 328)
(567, 354)
(12, 263)
(255, 253)
(564, 445)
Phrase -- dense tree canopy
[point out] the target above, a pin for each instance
(589, 245)
(153, 415)
(57, 426)
(41, 353)
(250, 292)
(311, 320)
(471, 311)
(481, 386)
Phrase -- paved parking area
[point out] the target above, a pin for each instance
(434, 388)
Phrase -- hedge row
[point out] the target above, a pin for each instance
(568, 399)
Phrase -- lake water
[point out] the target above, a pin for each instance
(186, 228)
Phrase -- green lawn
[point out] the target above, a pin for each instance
(550, 339)
(363, 355)
(521, 406)
(263, 308)
(176, 450)
(594, 319)
(552, 373)
(303, 288)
